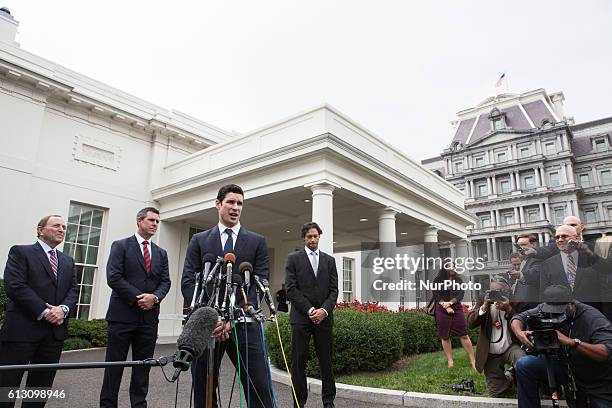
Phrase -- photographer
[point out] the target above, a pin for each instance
(496, 343)
(584, 356)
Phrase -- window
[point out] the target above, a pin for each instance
(533, 214)
(498, 124)
(485, 221)
(609, 213)
(606, 177)
(347, 279)
(525, 151)
(550, 148)
(528, 182)
(482, 190)
(559, 214)
(507, 218)
(479, 161)
(193, 231)
(555, 181)
(504, 186)
(585, 180)
(458, 167)
(82, 243)
(502, 157)
(600, 145)
(480, 247)
(590, 216)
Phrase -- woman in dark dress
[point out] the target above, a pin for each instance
(449, 316)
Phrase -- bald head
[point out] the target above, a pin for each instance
(575, 222)
(563, 235)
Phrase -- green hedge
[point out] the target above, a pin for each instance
(365, 341)
(76, 343)
(94, 331)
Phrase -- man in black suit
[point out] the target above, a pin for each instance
(41, 283)
(312, 288)
(527, 287)
(137, 271)
(573, 267)
(225, 237)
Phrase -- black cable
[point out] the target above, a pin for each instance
(251, 381)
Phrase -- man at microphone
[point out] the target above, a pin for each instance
(312, 288)
(229, 236)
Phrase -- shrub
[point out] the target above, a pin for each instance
(94, 331)
(76, 343)
(419, 333)
(363, 341)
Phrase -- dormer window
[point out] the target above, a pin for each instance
(498, 120)
(600, 144)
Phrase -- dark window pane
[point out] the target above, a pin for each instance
(85, 295)
(79, 253)
(86, 217)
(83, 235)
(97, 218)
(94, 236)
(88, 275)
(71, 233)
(79, 270)
(92, 255)
(75, 212)
(67, 249)
(84, 312)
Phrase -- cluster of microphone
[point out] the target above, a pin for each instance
(221, 306)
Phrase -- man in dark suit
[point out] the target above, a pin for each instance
(527, 287)
(573, 267)
(225, 237)
(41, 283)
(312, 288)
(137, 271)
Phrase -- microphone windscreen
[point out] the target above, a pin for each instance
(230, 257)
(245, 266)
(208, 258)
(198, 330)
(236, 279)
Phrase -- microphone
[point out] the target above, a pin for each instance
(264, 286)
(192, 341)
(236, 283)
(246, 269)
(211, 275)
(207, 261)
(229, 260)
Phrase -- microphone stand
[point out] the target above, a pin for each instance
(149, 362)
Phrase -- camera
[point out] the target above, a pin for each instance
(464, 386)
(544, 327)
(574, 243)
(497, 295)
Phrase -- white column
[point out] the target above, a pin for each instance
(467, 189)
(559, 143)
(546, 238)
(489, 186)
(493, 220)
(564, 178)
(595, 177)
(494, 184)
(522, 214)
(575, 208)
(512, 182)
(543, 174)
(516, 215)
(510, 157)
(538, 179)
(538, 146)
(449, 168)
(461, 248)
(494, 249)
(602, 215)
(518, 181)
(386, 225)
(514, 152)
(541, 238)
(570, 173)
(542, 213)
(431, 234)
(473, 194)
(489, 252)
(497, 218)
(323, 214)
(547, 211)
(566, 142)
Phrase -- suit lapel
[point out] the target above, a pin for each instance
(240, 240)
(214, 241)
(306, 263)
(44, 260)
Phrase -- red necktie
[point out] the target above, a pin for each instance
(53, 261)
(147, 256)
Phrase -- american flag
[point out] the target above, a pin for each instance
(500, 80)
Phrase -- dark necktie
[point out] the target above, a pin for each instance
(146, 255)
(571, 271)
(229, 244)
(53, 261)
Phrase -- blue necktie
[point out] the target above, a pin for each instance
(229, 244)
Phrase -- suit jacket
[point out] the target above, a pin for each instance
(304, 290)
(127, 277)
(30, 283)
(588, 281)
(249, 247)
(527, 289)
(486, 326)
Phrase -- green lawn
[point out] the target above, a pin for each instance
(424, 373)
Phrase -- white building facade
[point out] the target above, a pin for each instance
(95, 155)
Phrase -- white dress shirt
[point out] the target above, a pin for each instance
(140, 241)
(235, 230)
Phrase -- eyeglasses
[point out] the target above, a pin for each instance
(573, 225)
(562, 236)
